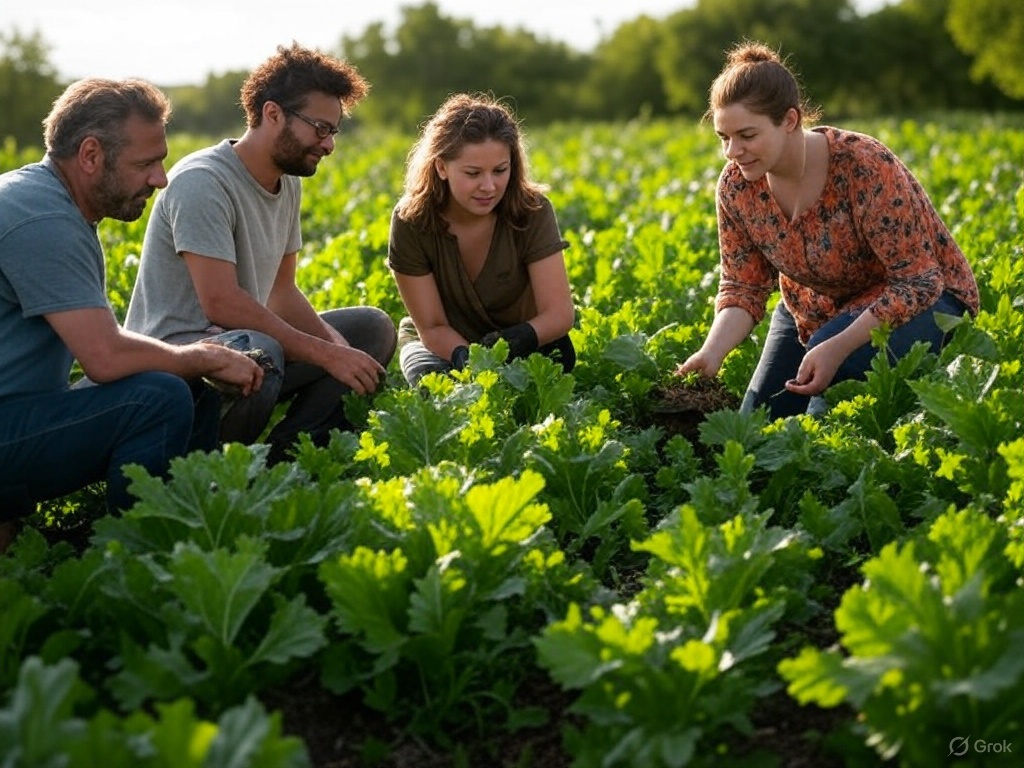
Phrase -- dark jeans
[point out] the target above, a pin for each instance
(783, 353)
(416, 361)
(313, 395)
(55, 443)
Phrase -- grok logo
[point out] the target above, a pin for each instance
(961, 745)
(958, 746)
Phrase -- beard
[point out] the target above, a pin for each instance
(294, 158)
(115, 202)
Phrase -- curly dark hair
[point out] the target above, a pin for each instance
(289, 76)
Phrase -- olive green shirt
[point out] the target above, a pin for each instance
(501, 295)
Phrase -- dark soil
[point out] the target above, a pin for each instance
(339, 732)
(680, 406)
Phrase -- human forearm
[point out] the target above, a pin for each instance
(237, 309)
(292, 306)
(124, 353)
(856, 335)
(441, 340)
(729, 328)
(553, 323)
(818, 367)
(553, 296)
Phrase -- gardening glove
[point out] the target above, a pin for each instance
(522, 339)
(460, 356)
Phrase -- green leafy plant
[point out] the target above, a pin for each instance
(51, 721)
(931, 645)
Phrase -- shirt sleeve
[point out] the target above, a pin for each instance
(56, 265)
(200, 215)
(901, 227)
(543, 237)
(406, 252)
(747, 278)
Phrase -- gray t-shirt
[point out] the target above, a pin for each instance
(213, 207)
(50, 261)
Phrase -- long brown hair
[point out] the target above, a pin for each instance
(465, 119)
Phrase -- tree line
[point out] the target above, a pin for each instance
(908, 57)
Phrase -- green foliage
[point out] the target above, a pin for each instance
(51, 723)
(931, 643)
(924, 54)
(993, 32)
(433, 630)
(426, 560)
(664, 676)
(28, 87)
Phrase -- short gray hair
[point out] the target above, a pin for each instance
(99, 107)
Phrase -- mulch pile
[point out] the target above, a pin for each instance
(680, 406)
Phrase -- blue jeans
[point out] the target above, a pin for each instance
(314, 397)
(783, 353)
(416, 361)
(55, 443)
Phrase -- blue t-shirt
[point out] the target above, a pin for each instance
(50, 261)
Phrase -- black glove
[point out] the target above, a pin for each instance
(522, 339)
(460, 356)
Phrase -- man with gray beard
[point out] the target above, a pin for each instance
(105, 148)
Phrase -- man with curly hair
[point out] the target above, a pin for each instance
(219, 258)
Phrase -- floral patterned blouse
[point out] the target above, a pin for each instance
(873, 241)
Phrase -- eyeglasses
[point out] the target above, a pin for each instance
(323, 130)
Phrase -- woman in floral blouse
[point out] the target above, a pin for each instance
(836, 222)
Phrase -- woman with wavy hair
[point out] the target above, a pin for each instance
(475, 247)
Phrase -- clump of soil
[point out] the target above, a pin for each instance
(680, 405)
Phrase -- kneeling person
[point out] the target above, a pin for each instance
(220, 254)
(105, 148)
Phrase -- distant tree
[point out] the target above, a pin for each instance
(412, 72)
(623, 80)
(814, 34)
(992, 31)
(540, 77)
(431, 56)
(28, 86)
(915, 65)
(211, 109)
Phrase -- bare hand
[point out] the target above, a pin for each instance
(240, 372)
(816, 371)
(700, 362)
(354, 368)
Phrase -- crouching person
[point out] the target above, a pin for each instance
(105, 147)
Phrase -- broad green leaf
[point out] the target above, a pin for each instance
(503, 510)
(369, 593)
(296, 631)
(221, 587)
(38, 720)
(246, 737)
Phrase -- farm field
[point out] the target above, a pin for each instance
(608, 569)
